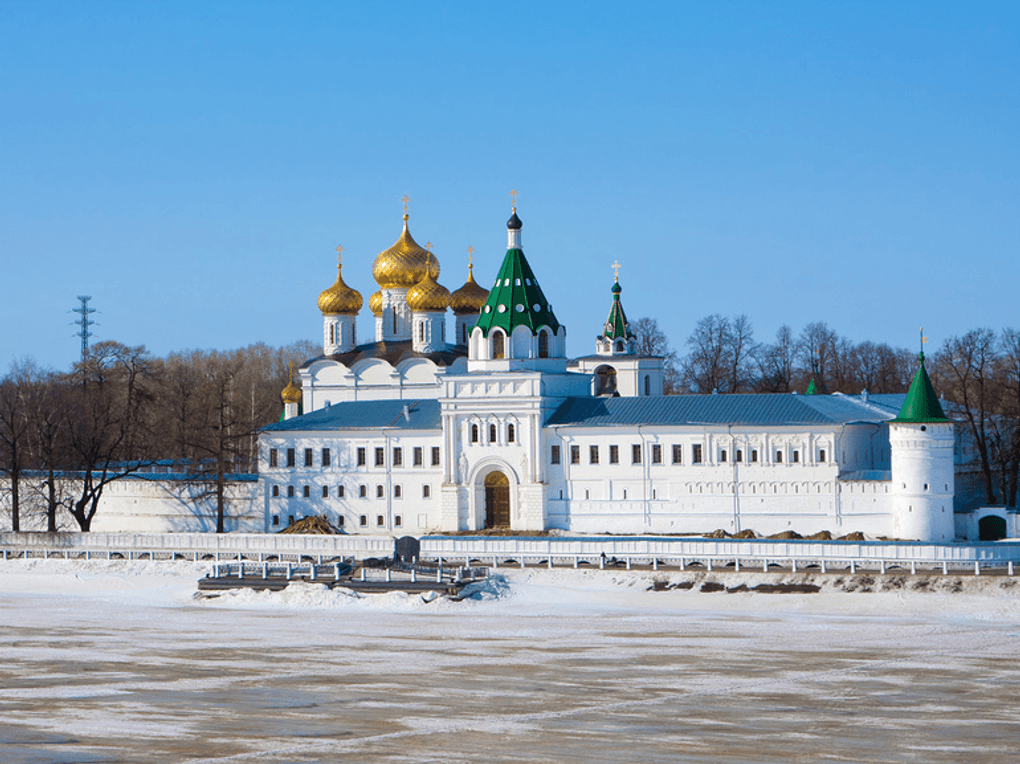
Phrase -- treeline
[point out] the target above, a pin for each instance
(978, 373)
(121, 409)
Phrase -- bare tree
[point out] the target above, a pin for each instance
(652, 341)
(776, 363)
(720, 353)
(14, 433)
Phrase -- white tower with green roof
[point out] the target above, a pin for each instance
(921, 441)
(516, 327)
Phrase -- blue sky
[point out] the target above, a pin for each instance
(193, 165)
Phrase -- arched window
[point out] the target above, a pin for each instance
(511, 433)
(464, 330)
(492, 433)
(605, 380)
(543, 344)
(474, 433)
(498, 340)
(332, 341)
(421, 331)
(619, 346)
(648, 385)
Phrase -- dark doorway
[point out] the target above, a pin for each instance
(991, 528)
(497, 500)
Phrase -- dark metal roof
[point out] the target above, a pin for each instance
(393, 353)
(770, 409)
(365, 415)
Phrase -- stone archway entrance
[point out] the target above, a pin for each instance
(991, 528)
(497, 500)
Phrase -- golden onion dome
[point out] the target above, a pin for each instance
(404, 264)
(375, 303)
(428, 295)
(291, 393)
(471, 297)
(340, 298)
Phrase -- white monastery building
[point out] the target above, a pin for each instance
(492, 425)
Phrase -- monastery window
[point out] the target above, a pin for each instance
(543, 344)
(435, 456)
(722, 455)
(331, 340)
(754, 455)
(380, 457)
(421, 331)
(326, 457)
(696, 457)
(738, 456)
(419, 456)
(624, 493)
(619, 346)
(474, 433)
(379, 492)
(394, 322)
(654, 494)
(397, 492)
(273, 457)
(290, 519)
(656, 453)
(362, 458)
(678, 454)
(593, 454)
(308, 457)
(291, 457)
(276, 519)
(276, 490)
(635, 454)
(426, 491)
(363, 520)
(779, 457)
(363, 491)
(554, 455)
(796, 457)
(587, 494)
(614, 454)
(307, 492)
(926, 486)
(648, 385)
(575, 454)
(398, 457)
(492, 433)
(398, 521)
(339, 491)
(498, 342)
(340, 521)
(380, 520)
(290, 492)
(821, 455)
(511, 433)
(464, 334)
(325, 492)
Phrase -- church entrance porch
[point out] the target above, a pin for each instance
(497, 500)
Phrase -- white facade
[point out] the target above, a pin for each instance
(517, 435)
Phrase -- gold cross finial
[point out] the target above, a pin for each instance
(616, 269)
(292, 372)
(428, 246)
(339, 251)
(513, 196)
(471, 257)
(405, 200)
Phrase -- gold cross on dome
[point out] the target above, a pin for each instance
(471, 257)
(428, 246)
(513, 196)
(405, 200)
(339, 250)
(616, 269)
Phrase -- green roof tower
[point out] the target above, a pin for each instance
(921, 405)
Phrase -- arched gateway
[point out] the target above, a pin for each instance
(497, 500)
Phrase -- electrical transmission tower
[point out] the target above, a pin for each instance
(84, 322)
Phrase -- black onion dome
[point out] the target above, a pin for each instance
(514, 223)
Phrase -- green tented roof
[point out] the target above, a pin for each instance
(921, 404)
(616, 327)
(812, 388)
(516, 299)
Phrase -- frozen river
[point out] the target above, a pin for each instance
(116, 663)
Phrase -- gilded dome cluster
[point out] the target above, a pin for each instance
(404, 264)
(375, 303)
(469, 298)
(340, 298)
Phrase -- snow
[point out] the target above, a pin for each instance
(118, 660)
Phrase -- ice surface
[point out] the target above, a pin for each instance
(116, 661)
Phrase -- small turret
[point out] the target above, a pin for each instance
(616, 337)
(922, 443)
(291, 397)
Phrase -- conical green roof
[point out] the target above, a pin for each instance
(616, 327)
(516, 299)
(921, 404)
(812, 388)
